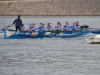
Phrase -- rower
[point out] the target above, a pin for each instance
(41, 27)
(32, 27)
(18, 23)
(49, 27)
(58, 27)
(66, 27)
(74, 26)
(77, 25)
(22, 27)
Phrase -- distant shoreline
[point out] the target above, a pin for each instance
(52, 16)
(50, 8)
(48, 15)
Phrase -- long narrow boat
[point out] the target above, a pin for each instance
(95, 31)
(12, 34)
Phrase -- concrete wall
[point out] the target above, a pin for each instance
(50, 7)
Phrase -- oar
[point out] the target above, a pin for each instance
(7, 26)
(94, 28)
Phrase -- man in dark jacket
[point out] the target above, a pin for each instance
(18, 23)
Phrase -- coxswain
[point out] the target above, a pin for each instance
(18, 23)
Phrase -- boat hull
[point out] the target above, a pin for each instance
(95, 31)
(12, 34)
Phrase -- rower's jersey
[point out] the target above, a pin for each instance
(31, 28)
(78, 26)
(17, 22)
(41, 28)
(49, 27)
(23, 27)
(58, 27)
(74, 27)
(67, 26)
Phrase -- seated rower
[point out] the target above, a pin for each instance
(41, 27)
(49, 27)
(32, 27)
(74, 26)
(77, 25)
(58, 27)
(22, 27)
(67, 26)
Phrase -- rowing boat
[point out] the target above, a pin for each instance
(13, 34)
(95, 31)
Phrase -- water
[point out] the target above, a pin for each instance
(54, 56)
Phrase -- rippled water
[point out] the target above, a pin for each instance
(53, 56)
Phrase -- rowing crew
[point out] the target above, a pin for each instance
(19, 26)
(49, 27)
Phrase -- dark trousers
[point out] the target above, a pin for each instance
(18, 28)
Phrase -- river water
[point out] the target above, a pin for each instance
(55, 56)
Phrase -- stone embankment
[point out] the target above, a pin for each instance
(50, 7)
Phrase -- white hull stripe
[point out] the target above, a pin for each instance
(47, 33)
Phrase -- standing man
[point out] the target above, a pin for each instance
(18, 23)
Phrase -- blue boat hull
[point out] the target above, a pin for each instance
(12, 34)
(95, 31)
